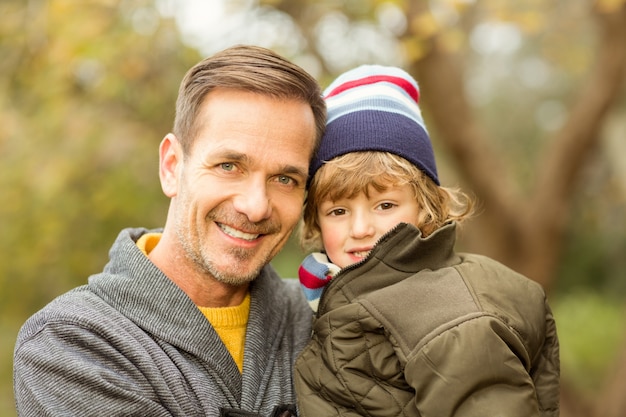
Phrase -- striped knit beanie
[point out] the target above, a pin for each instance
(375, 108)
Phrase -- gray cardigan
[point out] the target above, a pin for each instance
(130, 342)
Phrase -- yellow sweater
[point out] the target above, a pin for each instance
(229, 322)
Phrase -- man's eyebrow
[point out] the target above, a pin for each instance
(231, 155)
(294, 170)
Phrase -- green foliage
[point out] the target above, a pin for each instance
(591, 330)
(88, 94)
(596, 243)
(88, 101)
(288, 260)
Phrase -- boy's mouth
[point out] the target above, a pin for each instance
(361, 254)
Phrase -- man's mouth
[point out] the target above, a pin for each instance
(238, 233)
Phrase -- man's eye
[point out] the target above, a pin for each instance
(227, 166)
(286, 180)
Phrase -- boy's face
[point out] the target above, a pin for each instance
(351, 227)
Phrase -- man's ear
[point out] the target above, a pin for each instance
(170, 164)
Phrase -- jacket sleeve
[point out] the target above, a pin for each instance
(476, 368)
(350, 370)
(65, 369)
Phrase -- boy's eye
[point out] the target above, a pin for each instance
(386, 206)
(337, 212)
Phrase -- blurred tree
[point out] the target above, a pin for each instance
(526, 200)
(88, 91)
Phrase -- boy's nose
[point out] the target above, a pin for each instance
(362, 226)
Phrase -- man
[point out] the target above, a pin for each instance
(193, 321)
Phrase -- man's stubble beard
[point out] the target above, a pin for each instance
(206, 266)
(201, 260)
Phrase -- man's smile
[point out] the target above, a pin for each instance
(238, 233)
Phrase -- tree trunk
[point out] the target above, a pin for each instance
(527, 232)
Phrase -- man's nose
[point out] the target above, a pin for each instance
(253, 201)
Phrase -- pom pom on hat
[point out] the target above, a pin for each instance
(375, 108)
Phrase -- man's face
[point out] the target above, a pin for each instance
(239, 193)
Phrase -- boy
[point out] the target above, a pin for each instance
(405, 325)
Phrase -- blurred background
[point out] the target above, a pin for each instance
(525, 103)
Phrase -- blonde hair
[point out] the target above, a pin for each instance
(348, 175)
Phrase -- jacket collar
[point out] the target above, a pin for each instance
(400, 253)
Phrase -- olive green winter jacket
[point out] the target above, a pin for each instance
(419, 330)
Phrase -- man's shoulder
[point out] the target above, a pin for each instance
(70, 301)
(74, 307)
